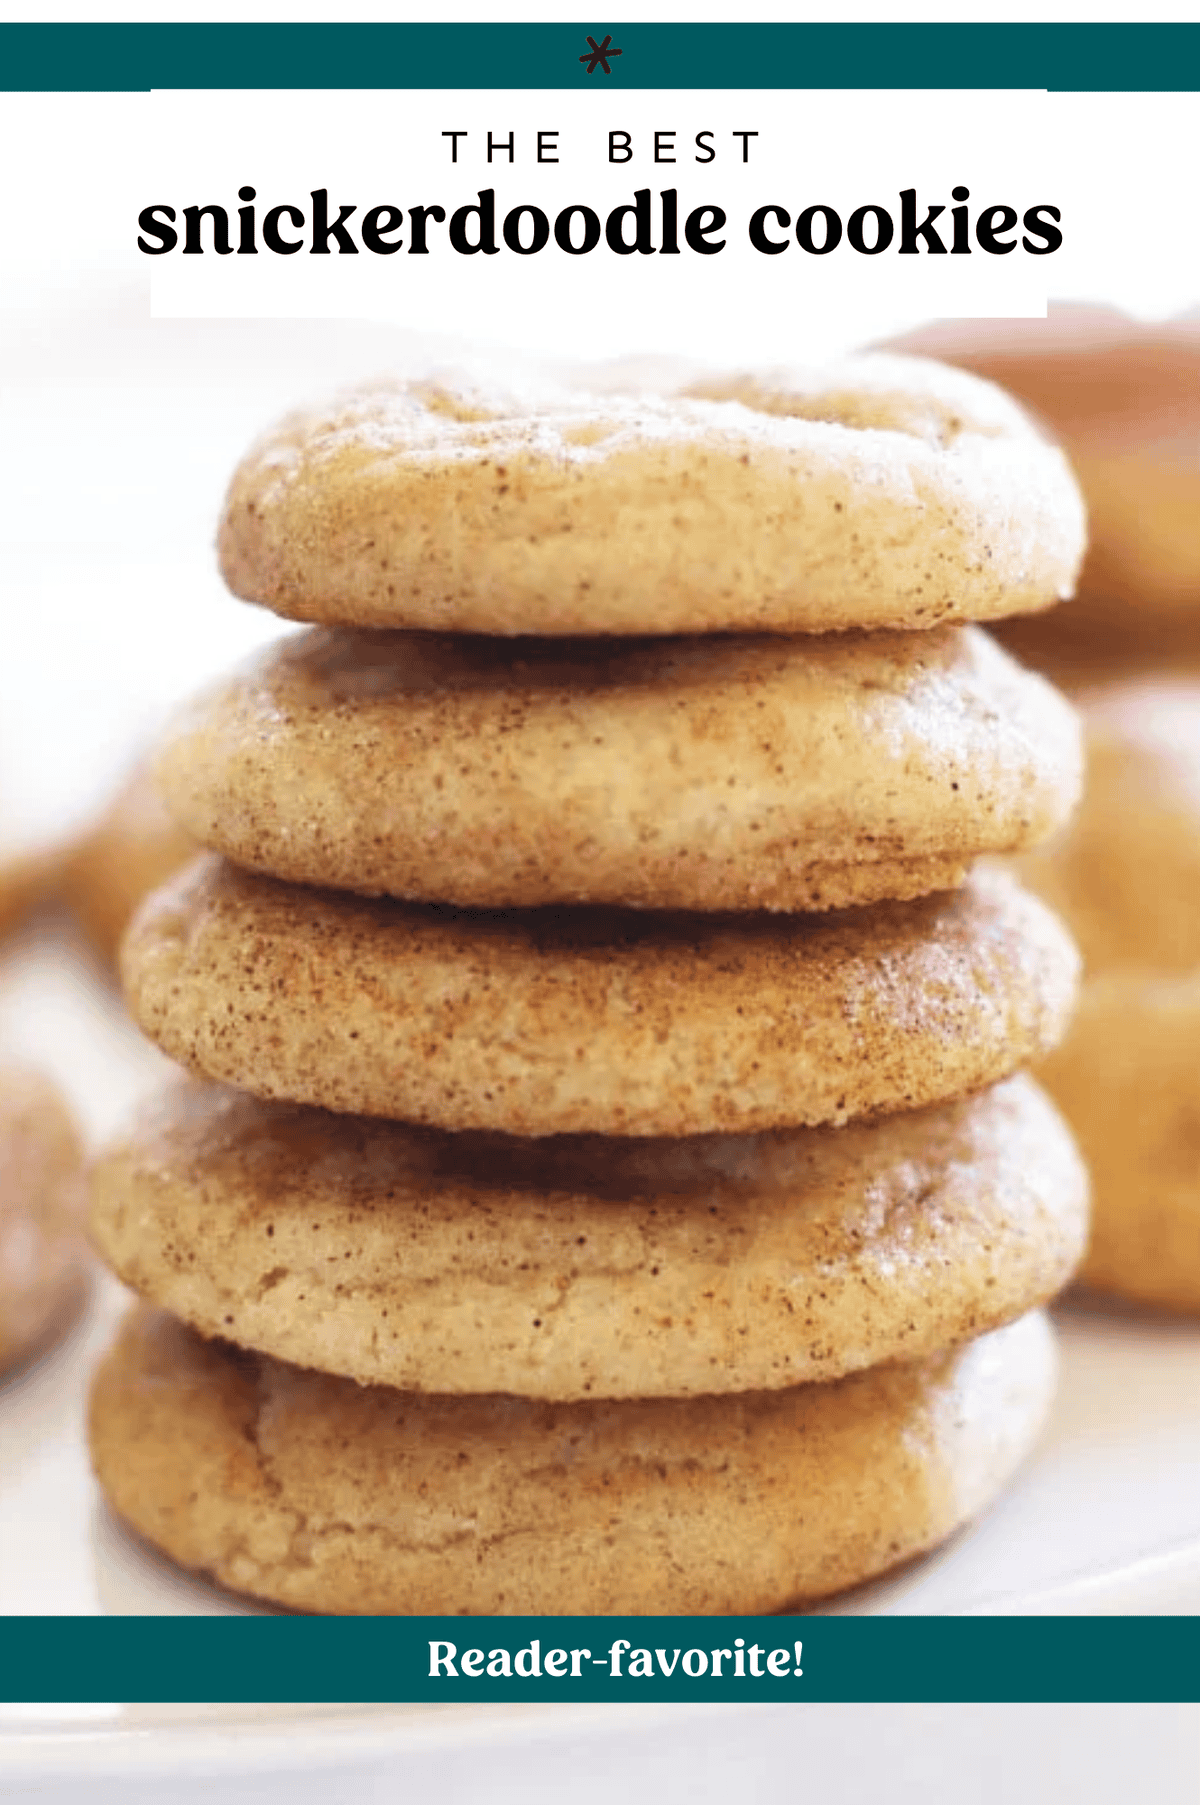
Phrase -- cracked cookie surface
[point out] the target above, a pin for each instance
(323, 1495)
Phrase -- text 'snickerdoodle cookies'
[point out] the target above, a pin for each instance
(587, 1266)
(887, 492)
(596, 1021)
(326, 1495)
(716, 773)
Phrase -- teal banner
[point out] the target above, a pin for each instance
(309, 1660)
(1067, 58)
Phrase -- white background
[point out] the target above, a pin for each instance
(1119, 165)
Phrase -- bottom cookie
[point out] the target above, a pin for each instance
(322, 1495)
(1126, 1078)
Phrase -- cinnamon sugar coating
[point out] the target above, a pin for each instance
(585, 1265)
(718, 773)
(1123, 395)
(596, 1021)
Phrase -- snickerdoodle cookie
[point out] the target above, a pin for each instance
(325, 1495)
(42, 1254)
(713, 773)
(590, 1266)
(596, 1021)
(884, 492)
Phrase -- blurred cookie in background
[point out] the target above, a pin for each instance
(1124, 399)
(43, 1261)
(27, 880)
(133, 848)
(1128, 1080)
(1126, 875)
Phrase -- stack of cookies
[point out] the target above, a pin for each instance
(606, 1182)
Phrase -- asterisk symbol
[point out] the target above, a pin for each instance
(599, 53)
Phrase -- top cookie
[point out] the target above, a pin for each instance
(885, 491)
